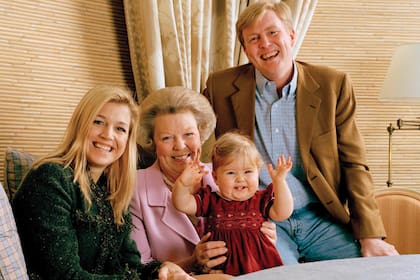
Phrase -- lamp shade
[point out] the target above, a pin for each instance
(403, 79)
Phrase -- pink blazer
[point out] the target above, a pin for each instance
(160, 231)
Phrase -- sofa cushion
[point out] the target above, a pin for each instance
(16, 165)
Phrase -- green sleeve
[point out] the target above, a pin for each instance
(44, 208)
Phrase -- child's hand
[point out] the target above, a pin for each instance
(192, 175)
(280, 172)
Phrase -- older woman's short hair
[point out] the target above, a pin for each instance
(173, 100)
(255, 11)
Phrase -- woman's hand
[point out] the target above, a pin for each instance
(269, 229)
(213, 277)
(171, 271)
(209, 254)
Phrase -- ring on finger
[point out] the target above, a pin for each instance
(205, 269)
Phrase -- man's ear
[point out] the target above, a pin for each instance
(293, 37)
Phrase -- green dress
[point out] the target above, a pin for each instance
(62, 238)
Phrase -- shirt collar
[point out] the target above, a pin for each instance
(288, 90)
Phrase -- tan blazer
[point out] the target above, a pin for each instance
(330, 144)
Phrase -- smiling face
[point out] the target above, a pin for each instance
(177, 141)
(237, 179)
(268, 45)
(107, 137)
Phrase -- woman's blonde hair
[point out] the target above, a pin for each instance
(254, 12)
(231, 146)
(173, 100)
(72, 151)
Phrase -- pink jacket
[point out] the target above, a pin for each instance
(161, 232)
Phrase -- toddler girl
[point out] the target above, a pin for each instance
(236, 211)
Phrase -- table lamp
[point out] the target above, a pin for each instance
(402, 83)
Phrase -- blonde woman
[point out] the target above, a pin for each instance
(72, 207)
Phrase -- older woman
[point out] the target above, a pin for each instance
(174, 123)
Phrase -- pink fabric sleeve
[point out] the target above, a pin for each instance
(138, 234)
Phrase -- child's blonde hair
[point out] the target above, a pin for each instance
(233, 145)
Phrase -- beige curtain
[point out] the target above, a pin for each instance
(302, 11)
(179, 42)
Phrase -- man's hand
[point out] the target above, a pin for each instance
(376, 247)
(269, 229)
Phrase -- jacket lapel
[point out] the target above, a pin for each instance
(158, 195)
(307, 108)
(243, 100)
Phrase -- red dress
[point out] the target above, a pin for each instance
(238, 223)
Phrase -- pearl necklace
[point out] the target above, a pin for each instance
(167, 181)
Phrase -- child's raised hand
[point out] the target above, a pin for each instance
(280, 172)
(192, 174)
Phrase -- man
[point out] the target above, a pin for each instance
(308, 112)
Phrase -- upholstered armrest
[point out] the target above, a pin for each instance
(400, 211)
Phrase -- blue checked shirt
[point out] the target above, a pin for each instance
(275, 134)
(12, 262)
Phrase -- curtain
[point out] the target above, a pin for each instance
(302, 12)
(179, 42)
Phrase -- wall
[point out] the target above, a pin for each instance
(51, 53)
(359, 37)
